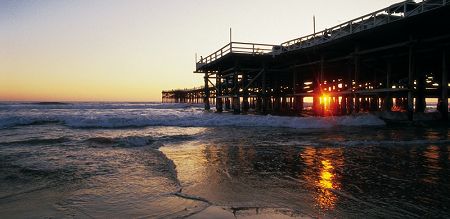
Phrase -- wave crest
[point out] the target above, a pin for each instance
(183, 116)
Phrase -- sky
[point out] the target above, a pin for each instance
(130, 50)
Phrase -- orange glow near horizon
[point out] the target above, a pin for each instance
(76, 91)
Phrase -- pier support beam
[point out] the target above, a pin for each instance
(284, 103)
(207, 94)
(297, 88)
(265, 98)
(227, 104)
(343, 105)
(387, 103)
(245, 103)
(258, 104)
(236, 103)
(317, 89)
(420, 97)
(411, 65)
(227, 92)
(350, 97)
(322, 69)
(356, 75)
(443, 102)
(219, 101)
(277, 96)
(316, 97)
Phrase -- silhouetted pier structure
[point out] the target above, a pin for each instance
(193, 95)
(389, 60)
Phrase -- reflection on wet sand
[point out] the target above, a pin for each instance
(320, 172)
(253, 176)
(334, 181)
(326, 198)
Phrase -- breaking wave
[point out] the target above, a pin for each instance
(197, 120)
(181, 115)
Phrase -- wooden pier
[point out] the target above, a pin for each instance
(193, 95)
(389, 60)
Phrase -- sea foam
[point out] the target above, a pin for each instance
(114, 116)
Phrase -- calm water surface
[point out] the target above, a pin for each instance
(159, 161)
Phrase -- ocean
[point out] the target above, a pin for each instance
(152, 160)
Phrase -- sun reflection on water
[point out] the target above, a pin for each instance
(326, 177)
(326, 198)
(321, 173)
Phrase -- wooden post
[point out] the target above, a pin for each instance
(227, 104)
(349, 97)
(277, 96)
(252, 103)
(388, 98)
(316, 97)
(420, 97)
(410, 104)
(317, 89)
(258, 105)
(207, 94)
(245, 104)
(265, 99)
(236, 99)
(344, 105)
(322, 69)
(294, 87)
(297, 87)
(443, 102)
(219, 101)
(356, 72)
(227, 93)
(284, 104)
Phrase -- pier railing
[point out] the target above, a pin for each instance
(386, 15)
(236, 47)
